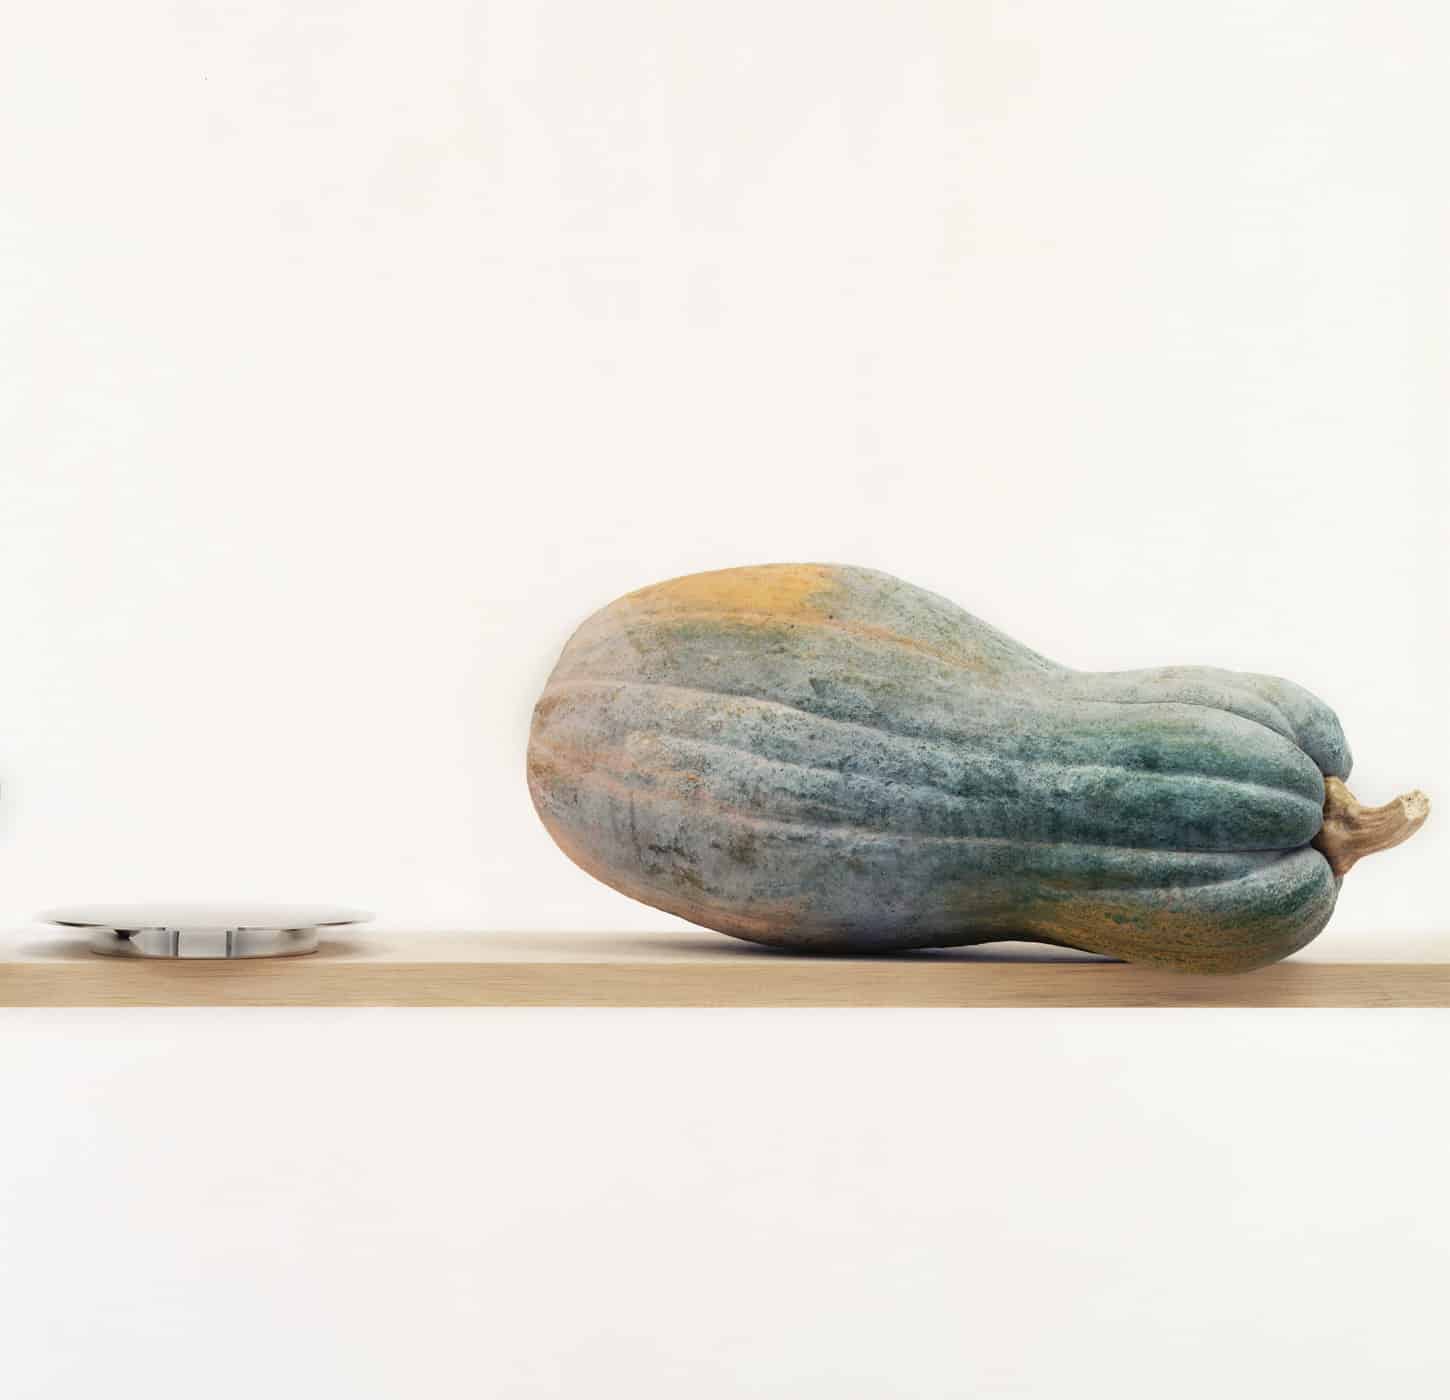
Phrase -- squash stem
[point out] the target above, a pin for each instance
(1351, 830)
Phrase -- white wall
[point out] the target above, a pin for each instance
(355, 352)
(797, 1205)
(351, 352)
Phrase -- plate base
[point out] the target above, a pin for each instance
(203, 942)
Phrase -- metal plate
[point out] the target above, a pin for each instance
(204, 930)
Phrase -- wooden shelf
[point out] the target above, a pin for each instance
(673, 970)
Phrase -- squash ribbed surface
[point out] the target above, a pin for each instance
(826, 757)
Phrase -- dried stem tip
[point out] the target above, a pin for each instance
(1351, 831)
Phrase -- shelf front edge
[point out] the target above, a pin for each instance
(620, 981)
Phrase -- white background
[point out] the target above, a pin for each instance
(350, 353)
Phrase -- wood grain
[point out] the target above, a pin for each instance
(677, 970)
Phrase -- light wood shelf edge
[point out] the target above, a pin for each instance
(676, 971)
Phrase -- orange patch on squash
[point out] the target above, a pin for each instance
(780, 590)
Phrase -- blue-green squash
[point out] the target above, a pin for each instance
(827, 758)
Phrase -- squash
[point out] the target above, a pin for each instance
(826, 758)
